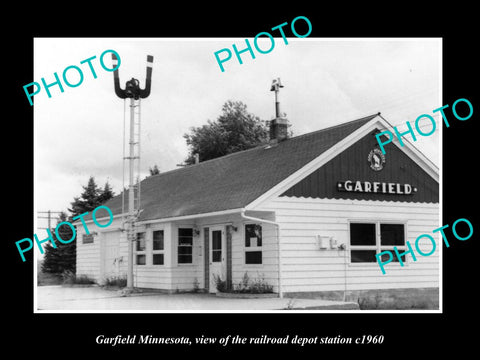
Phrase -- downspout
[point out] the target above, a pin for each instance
(277, 234)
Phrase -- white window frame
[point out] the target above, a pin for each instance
(158, 252)
(377, 247)
(251, 248)
(141, 252)
(178, 245)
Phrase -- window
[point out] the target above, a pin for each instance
(158, 248)
(216, 246)
(369, 239)
(363, 235)
(185, 245)
(141, 259)
(253, 244)
(392, 235)
(140, 242)
(140, 248)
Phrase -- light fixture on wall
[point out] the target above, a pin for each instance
(196, 232)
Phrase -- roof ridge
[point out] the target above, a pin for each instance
(263, 145)
(369, 117)
(190, 166)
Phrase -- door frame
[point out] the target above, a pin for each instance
(222, 264)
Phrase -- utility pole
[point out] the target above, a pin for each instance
(48, 217)
(132, 90)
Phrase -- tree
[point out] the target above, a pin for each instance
(154, 171)
(106, 193)
(234, 130)
(63, 257)
(88, 200)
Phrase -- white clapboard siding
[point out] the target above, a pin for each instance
(152, 277)
(306, 267)
(184, 276)
(268, 270)
(88, 259)
(91, 257)
(88, 256)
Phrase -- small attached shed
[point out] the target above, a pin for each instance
(301, 214)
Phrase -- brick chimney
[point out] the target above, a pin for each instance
(279, 125)
(278, 130)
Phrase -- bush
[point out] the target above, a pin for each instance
(84, 279)
(258, 286)
(118, 281)
(246, 286)
(219, 283)
(69, 278)
(196, 285)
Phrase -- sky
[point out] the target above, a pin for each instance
(79, 133)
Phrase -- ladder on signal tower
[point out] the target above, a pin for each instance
(134, 144)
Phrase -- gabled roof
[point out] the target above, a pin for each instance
(232, 181)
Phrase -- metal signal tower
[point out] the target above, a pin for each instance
(134, 93)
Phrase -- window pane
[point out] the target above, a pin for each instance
(363, 256)
(141, 259)
(141, 242)
(185, 243)
(216, 240)
(158, 240)
(253, 257)
(184, 259)
(216, 255)
(253, 235)
(392, 234)
(386, 257)
(362, 234)
(184, 254)
(185, 232)
(157, 259)
(184, 250)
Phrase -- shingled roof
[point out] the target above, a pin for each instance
(232, 181)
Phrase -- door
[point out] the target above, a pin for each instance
(217, 257)
(110, 254)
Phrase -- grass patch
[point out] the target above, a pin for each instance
(46, 279)
(70, 278)
(409, 300)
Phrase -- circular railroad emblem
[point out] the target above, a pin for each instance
(376, 159)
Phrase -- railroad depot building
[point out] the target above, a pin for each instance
(305, 214)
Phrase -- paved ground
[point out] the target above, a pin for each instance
(97, 299)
